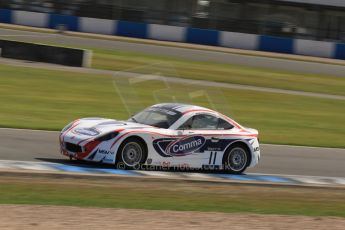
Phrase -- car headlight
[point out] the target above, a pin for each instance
(107, 136)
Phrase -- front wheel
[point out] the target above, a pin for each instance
(236, 159)
(131, 154)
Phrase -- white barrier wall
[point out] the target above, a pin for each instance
(178, 34)
(167, 33)
(314, 48)
(239, 40)
(30, 18)
(98, 26)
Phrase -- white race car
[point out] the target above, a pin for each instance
(164, 135)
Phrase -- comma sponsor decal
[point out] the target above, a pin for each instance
(170, 147)
(185, 146)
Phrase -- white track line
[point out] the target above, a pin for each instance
(307, 180)
(158, 173)
(302, 146)
(24, 35)
(339, 181)
(29, 130)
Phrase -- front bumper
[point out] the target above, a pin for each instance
(71, 150)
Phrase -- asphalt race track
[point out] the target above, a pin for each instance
(184, 53)
(31, 145)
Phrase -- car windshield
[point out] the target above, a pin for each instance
(158, 117)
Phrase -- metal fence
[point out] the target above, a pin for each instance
(270, 17)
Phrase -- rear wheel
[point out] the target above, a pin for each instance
(132, 154)
(236, 159)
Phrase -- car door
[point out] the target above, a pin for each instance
(201, 138)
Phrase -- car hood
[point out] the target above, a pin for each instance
(95, 127)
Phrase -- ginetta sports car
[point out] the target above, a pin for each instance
(169, 135)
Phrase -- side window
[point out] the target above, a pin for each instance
(222, 124)
(187, 125)
(202, 121)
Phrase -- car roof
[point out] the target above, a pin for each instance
(180, 107)
(185, 108)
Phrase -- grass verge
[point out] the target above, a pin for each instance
(185, 68)
(181, 196)
(45, 99)
(236, 74)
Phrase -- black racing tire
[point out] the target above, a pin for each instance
(132, 154)
(236, 158)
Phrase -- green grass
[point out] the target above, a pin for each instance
(181, 196)
(44, 99)
(184, 68)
